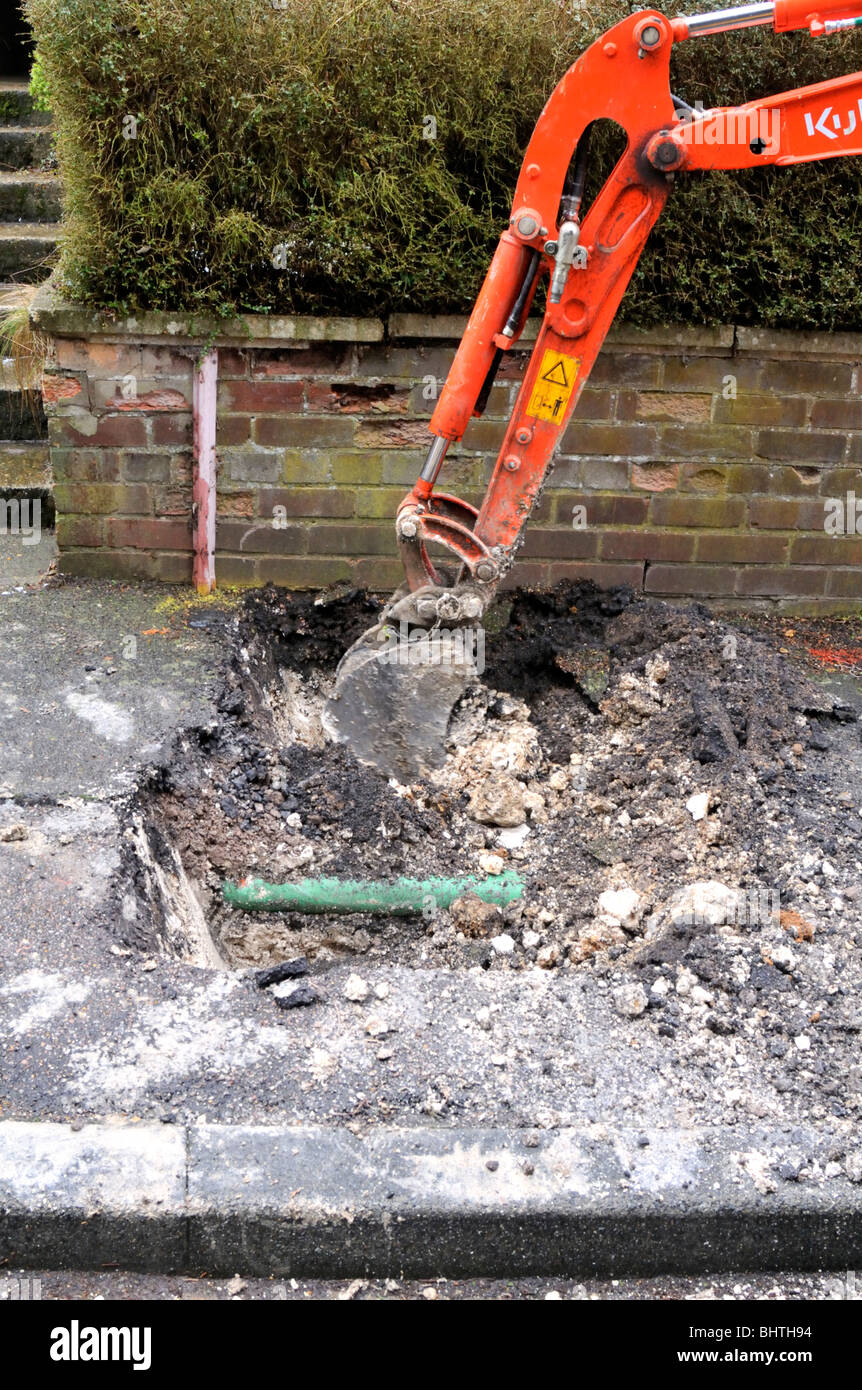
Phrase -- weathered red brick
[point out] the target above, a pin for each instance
(148, 533)
(712, 442)
(103, 499)
(356, 539)
(826, 550)
(261, 397)
(813, 378)
(310, 572)
(681, 406)
(382, 398)
(801, 444)
(146, 468)
(644, 544)
(668, 509)
(236, 504)
(86, 465)
(843, 583)
(309, 501)
(559, 543)
(62, 388)
(78, 531)
(594, 405)
(618, 369)
(787, 582)
(623, 440)
(303, 431)
(260, 537)
(233, 429)
(301, 362)
(111, 431)
(760, 408)
(655, 477)
(238, 571)
(785, 514)
(733, 549)
(173, 430)
(601, 508)
(714, 581)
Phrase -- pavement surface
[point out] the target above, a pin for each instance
(53, 1284)
(173, 1118)
(22, 564)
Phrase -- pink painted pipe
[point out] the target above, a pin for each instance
(204, 488)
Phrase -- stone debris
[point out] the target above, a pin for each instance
(356, 989)
(286, 970)
(706, 903)
(513, 838)
(630, 1001)
(620, 907)
(291, 996)
(474, 917)
(499, 800)
(10, 833)
(491, 863)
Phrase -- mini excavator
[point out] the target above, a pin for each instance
(396, 688)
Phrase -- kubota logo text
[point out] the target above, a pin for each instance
(831, 123)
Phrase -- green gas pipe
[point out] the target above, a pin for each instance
(401, 898)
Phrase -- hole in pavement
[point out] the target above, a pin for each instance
(615, 745)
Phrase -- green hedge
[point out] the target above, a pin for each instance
(299, 124)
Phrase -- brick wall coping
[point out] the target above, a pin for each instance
(53, 315)
(61, 319)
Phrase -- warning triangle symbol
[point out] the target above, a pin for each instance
(557, 375)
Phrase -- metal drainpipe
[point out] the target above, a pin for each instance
(204, 476)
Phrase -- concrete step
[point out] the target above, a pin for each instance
(14, 297)
(26, 249)
(27, 542)
(29, 197)
(23, 146)
(16, 104)
(25, 467)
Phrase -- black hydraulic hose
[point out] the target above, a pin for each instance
(513, 323)
(482, 399)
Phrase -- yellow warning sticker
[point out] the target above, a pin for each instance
(554, 386)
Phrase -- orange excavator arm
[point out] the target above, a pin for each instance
(622, 77)
(394, 694)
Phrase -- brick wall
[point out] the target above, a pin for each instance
(699, 461)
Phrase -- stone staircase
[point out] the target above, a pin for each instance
(29, 227)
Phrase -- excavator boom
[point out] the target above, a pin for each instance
(622, 77)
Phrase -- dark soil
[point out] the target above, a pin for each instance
(619, 711)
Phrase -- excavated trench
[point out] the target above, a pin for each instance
(678, 792)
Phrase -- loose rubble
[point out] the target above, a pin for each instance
(678, 793)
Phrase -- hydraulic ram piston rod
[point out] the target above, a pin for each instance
(783, 15)
(720, 21)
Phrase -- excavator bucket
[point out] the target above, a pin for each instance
(394, 694)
